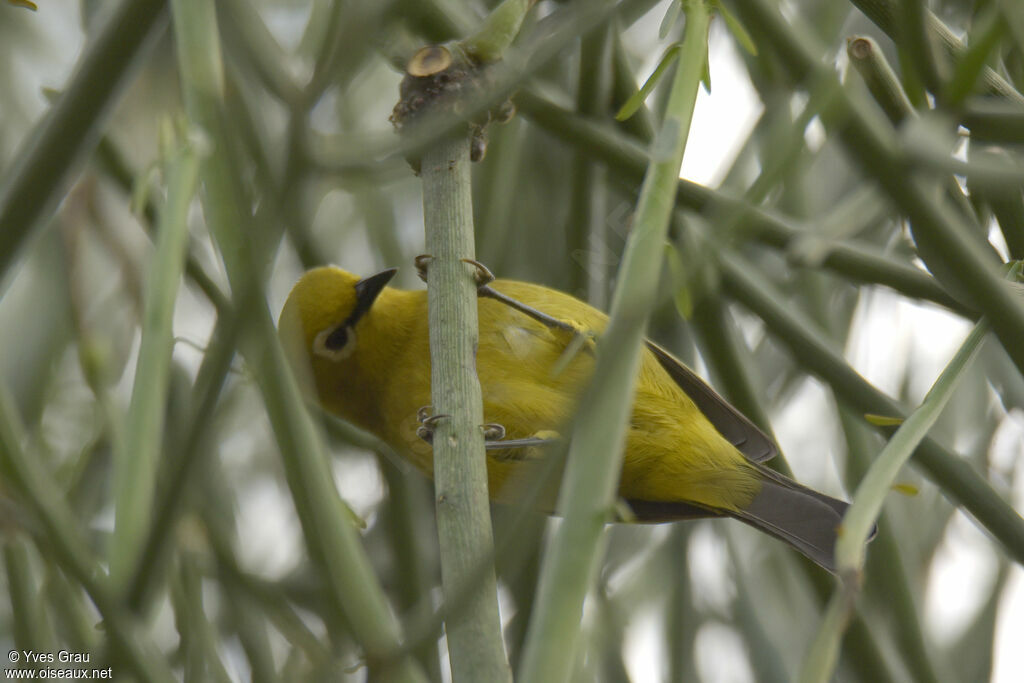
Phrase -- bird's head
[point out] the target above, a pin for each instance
(320, 319)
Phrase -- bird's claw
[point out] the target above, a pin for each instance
(493, 431)
(422, 262)
(482, 275)
(428, 423)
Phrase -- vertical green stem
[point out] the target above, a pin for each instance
(460, 467)
(334, 545)
(136, 464)
(589, 196)
(573, 556)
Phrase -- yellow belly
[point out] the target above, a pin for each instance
(672, 452)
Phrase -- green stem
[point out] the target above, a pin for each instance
(61, 533)
(460, 465)
(111, 162)
(821, 657)
(334, 544)
(589, 196)
(883, 84)
(209, 381)
(29, 624)
(137, 457)
(886, 570)
(500, 28)
(949, 246)
(50, 160)
(867, 502)
(719, 347)
(885, 15)
(573, 556)
(628, 159)
(954, 475)
(994, 120)
(859, 519)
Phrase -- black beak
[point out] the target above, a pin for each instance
(367, 291)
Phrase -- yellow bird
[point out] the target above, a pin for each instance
(688, 452)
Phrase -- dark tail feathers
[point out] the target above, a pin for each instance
(805, 519)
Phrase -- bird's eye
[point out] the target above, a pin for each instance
(335, 343)
(336, 340)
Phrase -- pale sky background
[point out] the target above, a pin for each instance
(924, 334)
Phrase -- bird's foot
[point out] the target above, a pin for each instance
(493, 431)
(529, 448)
(482, 274)
(422, 263)
(428, 423)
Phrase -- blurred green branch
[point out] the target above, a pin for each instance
(820, 662)
(951, 248)
(572, 557)
(330, 536)
(49, 160)
(886, 14)
(954, 475)
(61, 534)
(138, 451)
(853, 260)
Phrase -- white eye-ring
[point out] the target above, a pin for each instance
(335, 344)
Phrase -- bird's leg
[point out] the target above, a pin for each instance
(428, 423)
(529, 448)
(484, 277)
(581, 337)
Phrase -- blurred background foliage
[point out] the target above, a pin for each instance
(796, 235)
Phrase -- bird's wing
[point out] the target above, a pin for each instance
(730, 423)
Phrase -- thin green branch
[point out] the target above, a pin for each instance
(883, 84)
(588, 196)
(460, 465)
(850, 259)
(30, 628)
(953, 250)
(51, 158)
(493, 38)
(955, 476)
(61, 532)
(886, 572)
(886, 13)
(332, 540)
(819, 664)
(111, 162)
(867, 502)
(573, 556)
(137, 456)
(719, 347)
(209, 380)
(994, 120)
(262, 53)
(823, 652)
